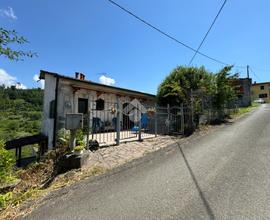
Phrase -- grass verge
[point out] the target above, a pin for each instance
(244, 110)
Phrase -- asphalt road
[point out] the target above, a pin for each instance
(223, 175)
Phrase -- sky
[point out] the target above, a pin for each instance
(109, 46)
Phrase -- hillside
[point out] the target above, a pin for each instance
(20, 112)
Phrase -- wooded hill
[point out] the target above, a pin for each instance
(20, 112)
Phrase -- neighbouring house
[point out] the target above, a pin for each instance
(243, 91)
(261, 91)
(64, 94)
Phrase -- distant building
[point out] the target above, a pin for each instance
(243, 91)
(261, 91)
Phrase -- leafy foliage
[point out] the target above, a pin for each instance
(186, 84)
(177, 87)
(6, 165)
(4, 199)
(224, 92)
(10, 37)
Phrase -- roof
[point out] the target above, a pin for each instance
(43, 72)
(261, 83)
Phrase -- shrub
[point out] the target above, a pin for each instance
(7, 163)
(4, 199)
(79, 137)
(79, 148)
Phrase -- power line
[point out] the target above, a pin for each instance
(253, 73)
(166, 34)
(205, 36)
(261, 69)
(173, 38)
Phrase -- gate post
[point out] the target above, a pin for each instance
(140, 122)
(155, 120)
(88, 129)
(118, 122)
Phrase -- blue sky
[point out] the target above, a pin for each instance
(95, 37)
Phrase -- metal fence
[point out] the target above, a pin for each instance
(118, 122)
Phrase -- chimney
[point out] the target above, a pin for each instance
(82, 76)
(79, 76)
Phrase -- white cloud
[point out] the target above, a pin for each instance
(8, 80)
(9, 13)
(41, 82)
(106, 80)
(20, 86)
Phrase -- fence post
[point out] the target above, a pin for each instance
(155, 120)
(182, 119)
(168, 118)
(139, 109)
(118, 122)
(88, 129)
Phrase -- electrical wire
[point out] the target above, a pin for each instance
(166, 34)
(178, 41)
(256, 76)
(208, 31)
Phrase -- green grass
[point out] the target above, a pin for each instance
(27, 151)
(19, 124)
(244, 110)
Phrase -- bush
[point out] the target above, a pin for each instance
(4, 199)
(79, 148)
(7, 163)
(79, 137)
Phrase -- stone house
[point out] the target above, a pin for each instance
(64, 94)
(261, 91)
(243, 91)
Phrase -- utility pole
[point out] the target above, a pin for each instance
(249, 84)
(248, 71)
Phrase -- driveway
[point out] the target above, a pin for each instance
(222, 175)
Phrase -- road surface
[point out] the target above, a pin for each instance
(222, 175)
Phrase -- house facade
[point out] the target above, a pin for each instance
(64, 94)
(243, 91)
(261, 91)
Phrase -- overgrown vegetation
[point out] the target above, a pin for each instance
(186, 84)
(244, 110)
(20, 115)
(198, 88)
(7, 163)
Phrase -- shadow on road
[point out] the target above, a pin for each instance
(206, 204)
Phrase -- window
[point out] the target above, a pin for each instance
(262, 87)
(82, 106)
(52, 106)
(99, 104)
(263, 95)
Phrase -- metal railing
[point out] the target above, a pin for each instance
(121, 122)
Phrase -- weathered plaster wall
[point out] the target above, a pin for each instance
(49, 95)
(68, 103)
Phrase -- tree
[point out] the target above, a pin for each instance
(8, 38)
(198, 88)
(224, 92)
(178, 86)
